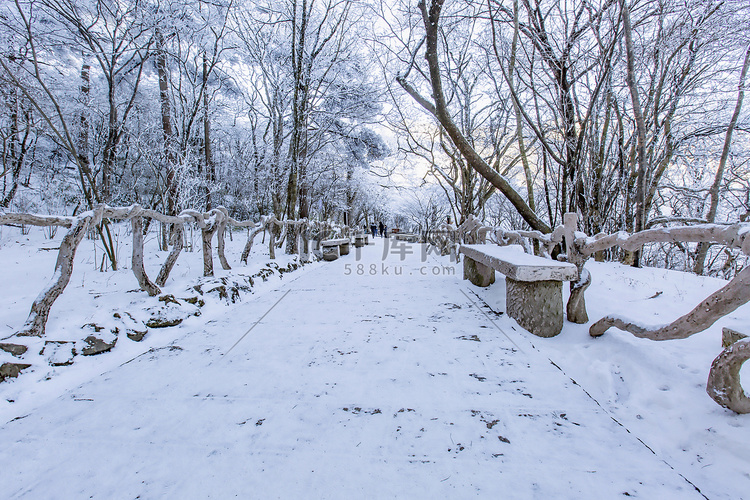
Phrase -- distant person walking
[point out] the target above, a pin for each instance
(381, 227)
(374, 229)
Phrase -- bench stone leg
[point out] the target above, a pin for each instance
(536, 305)
(359, 242)
(331, 253)
(344, 249)
(478, 273)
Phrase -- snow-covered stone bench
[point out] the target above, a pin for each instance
(361, 240)
(333, 248)
(533, 285)
(408, 237)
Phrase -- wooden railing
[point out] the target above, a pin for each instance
(214, 222)
(576, 248)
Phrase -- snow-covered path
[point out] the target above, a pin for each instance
(350, 386)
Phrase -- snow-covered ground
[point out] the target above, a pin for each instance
(338, 380)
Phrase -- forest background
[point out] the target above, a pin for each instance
(514, 111)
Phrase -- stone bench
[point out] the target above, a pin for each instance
(361, 240)
(333, 248)
(533, 285)
(408, 237)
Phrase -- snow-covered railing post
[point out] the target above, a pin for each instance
(249, 245)
(272, 238)
(178, 234)
(221, 230)
(283, 235)
(723, 384)
(576, 306)
(303, 241)
(136, 222)
(208, 225)
(37, 319)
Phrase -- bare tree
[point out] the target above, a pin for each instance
(438, 107)
(702, 249)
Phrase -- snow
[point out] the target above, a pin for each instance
(516, 256)
(347, 382)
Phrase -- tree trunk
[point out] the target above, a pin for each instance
(517, 110)
(210, 168)
(109, 155)
(702, 250)
(17, 147)
(439, 109)
(166, 125)
(640, 190)
(84, 165)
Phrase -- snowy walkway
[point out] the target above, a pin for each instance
(371, 386)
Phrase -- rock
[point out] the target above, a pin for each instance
(291, 266)
(170, 314)
(14, 349)
(100, 339)
(263, 273)
(195, 301)
(97, 346)
(221, 291)
(94, 326)
(11, 370)
(136, 335)
(133, 328)
(228, 290)
(59, 352)
(169, 299)
(160, 322)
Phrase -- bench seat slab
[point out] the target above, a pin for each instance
(520, 266)
(337, 241)
(536, 305)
